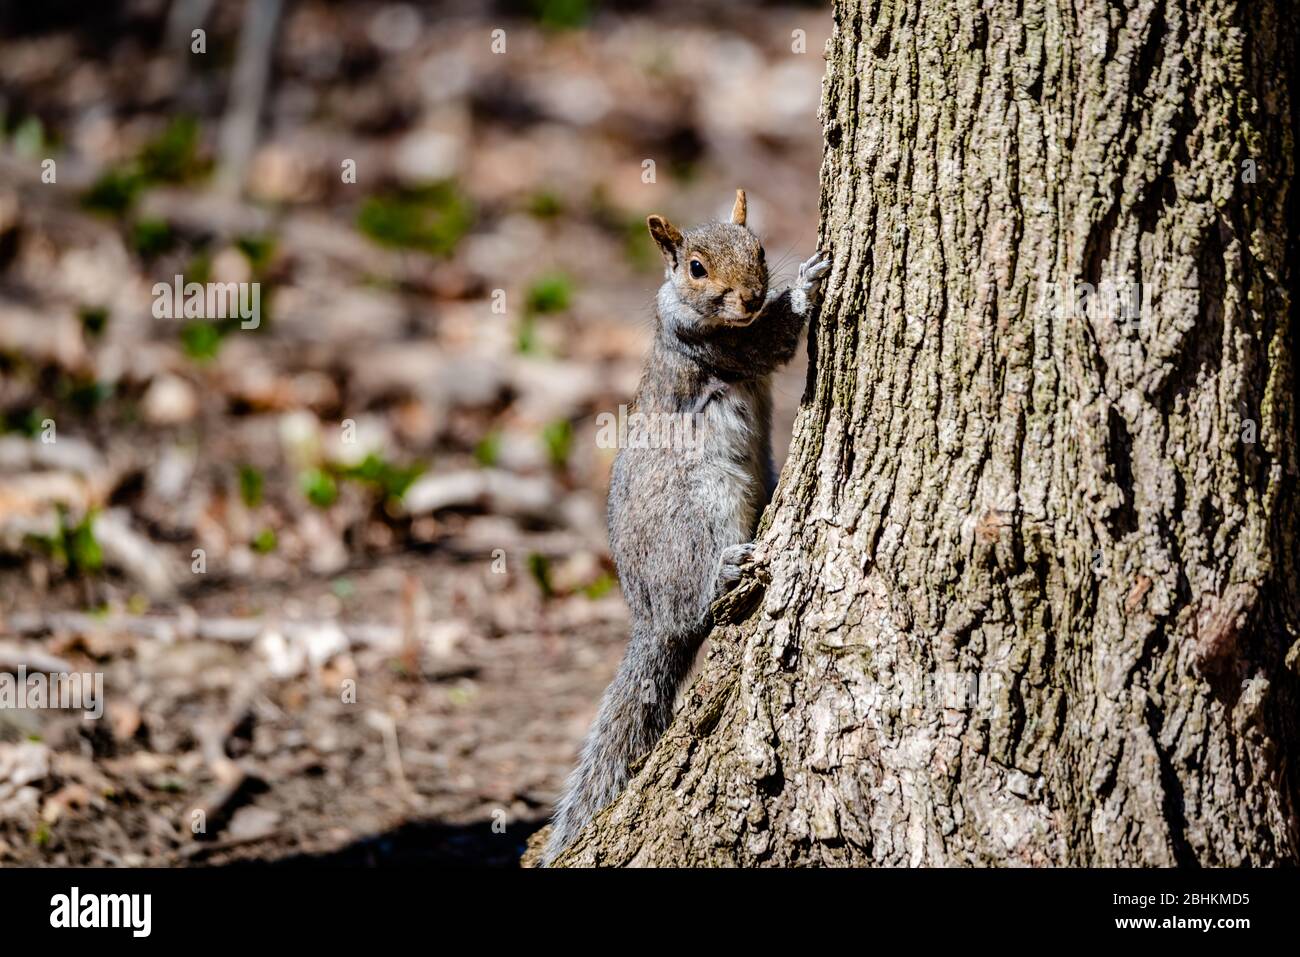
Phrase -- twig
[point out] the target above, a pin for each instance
(387, 727)
(191, 626)
(14, 656)
(247, 91)
(184, 18)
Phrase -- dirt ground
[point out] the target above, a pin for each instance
(450, 753)
(344, 575)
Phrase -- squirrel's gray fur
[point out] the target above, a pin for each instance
(682, 520)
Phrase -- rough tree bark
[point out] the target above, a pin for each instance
(1027, 593)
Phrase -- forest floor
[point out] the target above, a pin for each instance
(343, 576)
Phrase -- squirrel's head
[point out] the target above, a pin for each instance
(718, 269)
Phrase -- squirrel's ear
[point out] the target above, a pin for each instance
(666, 235)
(738, 211)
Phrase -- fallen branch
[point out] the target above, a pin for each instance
(14, 656)
(189, 626)
(248, 90)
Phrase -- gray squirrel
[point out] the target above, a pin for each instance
(682, 519)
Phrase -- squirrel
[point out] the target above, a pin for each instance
(682, 520)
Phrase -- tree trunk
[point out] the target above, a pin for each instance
(1027, 593)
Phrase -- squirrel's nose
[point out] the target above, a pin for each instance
(751, 300)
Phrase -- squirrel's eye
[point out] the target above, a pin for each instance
(697, 269)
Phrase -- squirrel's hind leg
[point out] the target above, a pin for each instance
(635, 710)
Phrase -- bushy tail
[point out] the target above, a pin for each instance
(634, 712)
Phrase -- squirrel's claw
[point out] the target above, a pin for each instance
(816, 266)
(732, 564)
(808, 284)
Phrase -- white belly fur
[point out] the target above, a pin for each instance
(729, 480)
(729, 483)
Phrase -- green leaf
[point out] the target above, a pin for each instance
(562, 14)
(488, 450)
(600, 587)
(201, 340)
(319, 487)
(432, 219)
(150, 237)
(29, 137)
(540, 568)
(392, 480)
(114, 191)
(173, 155)
(258, 250)
(250, 485)
(84, 553)
(558, 439)
(545, 205)
(549, 293)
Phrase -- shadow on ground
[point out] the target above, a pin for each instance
(422, 843)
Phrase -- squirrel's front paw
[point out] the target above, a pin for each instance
(808, 283)
(735, 559)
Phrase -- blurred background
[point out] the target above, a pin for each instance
(344, 574)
